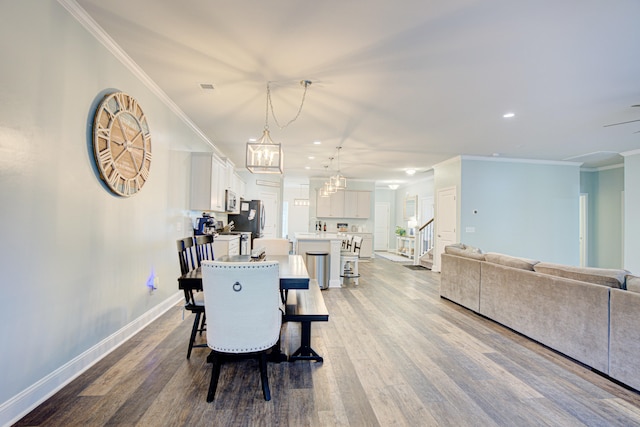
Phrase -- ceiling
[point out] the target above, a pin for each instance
(397, 85)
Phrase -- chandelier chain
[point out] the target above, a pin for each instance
(306, 84)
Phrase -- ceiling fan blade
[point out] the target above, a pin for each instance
(622, 123)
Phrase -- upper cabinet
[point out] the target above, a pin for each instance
(344, 204)
(330, 207)
(210, 177)
(357, 204)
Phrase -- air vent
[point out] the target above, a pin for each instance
(207, 86)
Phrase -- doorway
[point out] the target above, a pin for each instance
(381, 226)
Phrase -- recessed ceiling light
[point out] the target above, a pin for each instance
(317, 142)
(307, 167)
(252, 140)
(393, 186)
(311, 157)
(509, 115)
(410, 171)
(207, 86)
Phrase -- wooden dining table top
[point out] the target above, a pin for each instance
(293, 272)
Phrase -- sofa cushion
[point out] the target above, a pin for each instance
(599, 276)
(460, 249)
(510, 261)
(633, 283)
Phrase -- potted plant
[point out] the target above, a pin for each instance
(400, 231)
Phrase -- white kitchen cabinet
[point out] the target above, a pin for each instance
(330, 207)
(226, 245)
(208, 182)
(344, 204)
(357, 204)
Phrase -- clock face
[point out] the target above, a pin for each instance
(122, 144)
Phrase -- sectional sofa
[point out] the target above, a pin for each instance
(589, 314)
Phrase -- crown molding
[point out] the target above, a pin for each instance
(105, 39)
(630, 153)
(516, 160)
(603, 168)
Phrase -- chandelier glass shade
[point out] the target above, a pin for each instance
(329, 187)
(338, 181)
(264, 155)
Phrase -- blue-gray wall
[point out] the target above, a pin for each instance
(522, 208)
(528, 209)
(605, 217)
(76, 258)
(632, 212)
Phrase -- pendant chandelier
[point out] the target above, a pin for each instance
(327, 188)
(338, 180)
(264, 155)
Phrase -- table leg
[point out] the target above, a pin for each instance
(305, 352)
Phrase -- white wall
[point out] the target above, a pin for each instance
(423, 188)
(298, 215)
(76, 258)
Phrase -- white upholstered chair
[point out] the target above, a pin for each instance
(349, 261)
(272, 246)
(243, 307)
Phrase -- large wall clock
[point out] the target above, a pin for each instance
(122, 144)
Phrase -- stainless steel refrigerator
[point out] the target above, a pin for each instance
(251, 218)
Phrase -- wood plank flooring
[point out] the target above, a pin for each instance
(395, 353)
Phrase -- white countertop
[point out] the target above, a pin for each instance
(318, 236)
(226, 237)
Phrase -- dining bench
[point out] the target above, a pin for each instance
(306, 306)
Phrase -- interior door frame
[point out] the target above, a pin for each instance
(584, 229)
(440, 213)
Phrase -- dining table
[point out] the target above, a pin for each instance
(293, 272)
(293, 275)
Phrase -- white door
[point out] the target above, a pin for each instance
(270, 202)
(445, 223)
(381, 232)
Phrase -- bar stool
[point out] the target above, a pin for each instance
(349, 262)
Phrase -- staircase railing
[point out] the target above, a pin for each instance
(424, 241)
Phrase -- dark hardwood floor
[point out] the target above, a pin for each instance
(395, 353)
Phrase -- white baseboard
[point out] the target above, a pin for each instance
(21, 404)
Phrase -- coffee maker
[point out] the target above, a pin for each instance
(206, 224)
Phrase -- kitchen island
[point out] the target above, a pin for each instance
(327, 242)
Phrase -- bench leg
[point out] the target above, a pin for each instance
(305, 352)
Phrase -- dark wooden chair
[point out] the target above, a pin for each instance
(204, 248)
(188, 262)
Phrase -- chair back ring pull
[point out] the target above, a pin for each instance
(237, 287)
